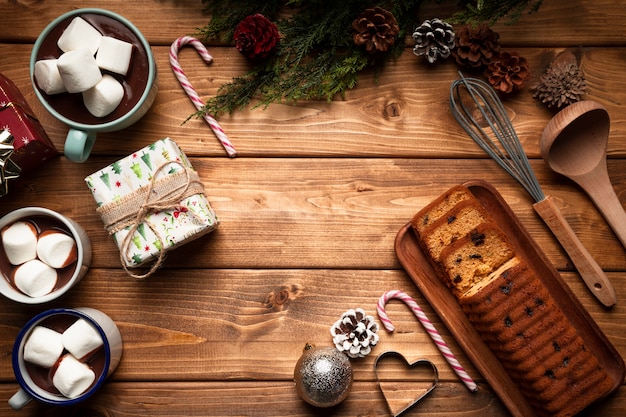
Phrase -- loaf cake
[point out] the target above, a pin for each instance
(509, 306)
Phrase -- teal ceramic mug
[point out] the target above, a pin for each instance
(140, 82)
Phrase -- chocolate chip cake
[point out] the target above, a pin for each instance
(509, 306)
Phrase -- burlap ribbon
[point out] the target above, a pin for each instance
(161, 194)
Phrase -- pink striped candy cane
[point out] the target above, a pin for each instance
(191, 92)
(434, 334)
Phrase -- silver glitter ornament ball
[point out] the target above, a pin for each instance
(323, 376)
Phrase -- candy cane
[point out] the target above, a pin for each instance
(434, 334)
(191, 92)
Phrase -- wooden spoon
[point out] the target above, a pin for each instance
(574, 144)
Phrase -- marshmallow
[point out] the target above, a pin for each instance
(34, 278)
(48, 77)
(78, 70)
(78, 35)
(56, 249)
(104, 97)
(20, 242)
(81, 339)
(72, 377)
(43, 347)
(114, 55)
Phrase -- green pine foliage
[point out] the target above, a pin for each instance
(316, 58)
(492, 11)
(225, 14)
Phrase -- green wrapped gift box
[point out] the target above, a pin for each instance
(151, 201)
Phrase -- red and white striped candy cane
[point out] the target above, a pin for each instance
(191, 92)
(434, 334)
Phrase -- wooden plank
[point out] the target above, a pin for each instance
(227, 324)
(323, 213)
(236, 398)
(160, 22)
(406, 114)
(583, 22)
(574, 23)
(274, 398)
(248, 398)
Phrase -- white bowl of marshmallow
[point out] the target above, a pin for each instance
(42, 254)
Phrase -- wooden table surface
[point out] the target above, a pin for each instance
(309, 212)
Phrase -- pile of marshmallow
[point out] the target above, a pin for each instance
(66, 355)
(86, 53)
(37, 256)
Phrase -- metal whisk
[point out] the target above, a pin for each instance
(478, 109)
(507, 151)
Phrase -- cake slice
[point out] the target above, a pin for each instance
(453, 225)
(473, 257)
(443, 204)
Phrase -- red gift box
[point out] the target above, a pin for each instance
(32, 144)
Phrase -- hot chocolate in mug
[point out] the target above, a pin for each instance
(39, 382)
(42, 221)
(139, 83)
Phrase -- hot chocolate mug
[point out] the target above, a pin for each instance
(140, 82)
(46, 219)
(32, 382)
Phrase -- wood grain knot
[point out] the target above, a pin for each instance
(26, 3)
(281, 296)
(362, 187)
(393, 110)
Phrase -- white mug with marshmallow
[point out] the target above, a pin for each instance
(82, 253)
(70, 383)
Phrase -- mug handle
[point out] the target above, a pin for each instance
(78, 144)
(19, 399)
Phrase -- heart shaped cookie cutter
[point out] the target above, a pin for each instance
(417, 363)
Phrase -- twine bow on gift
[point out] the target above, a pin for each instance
(8, 169)
(132, 210)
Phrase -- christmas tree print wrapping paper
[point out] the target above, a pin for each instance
(192, 218)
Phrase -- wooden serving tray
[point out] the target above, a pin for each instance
(445, 304)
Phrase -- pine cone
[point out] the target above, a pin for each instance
(256, 37)
(434, 38)
(476, 46)
(376, 30)
(562, 84)
(355, 333)
(508, 72)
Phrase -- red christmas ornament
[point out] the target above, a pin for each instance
(256, 37)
